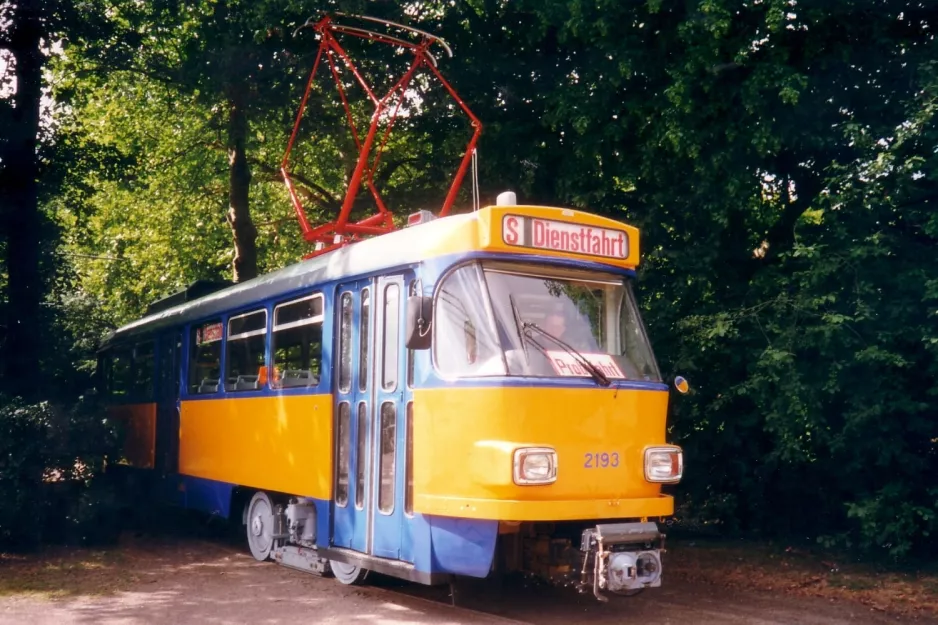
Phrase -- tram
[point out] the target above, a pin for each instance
(471, 394)
(468, 394)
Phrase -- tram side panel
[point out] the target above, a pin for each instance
(138, 422)
(271, 442)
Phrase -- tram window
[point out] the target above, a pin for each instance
(244, 355)
(391, 332)
(102, 372)
(412, 290)
(363, 326)
(205, 362)
(120, 377)
(388, 456)
(342, 466)
(345, 348)
(465, 341)
(409, 463)
(143, 369)
(361, 456)
(297, 342)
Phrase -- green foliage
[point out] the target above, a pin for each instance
(52, 461)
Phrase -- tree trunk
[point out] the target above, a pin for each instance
(239, 183)
(21, 224)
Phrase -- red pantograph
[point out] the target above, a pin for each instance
(341, 231)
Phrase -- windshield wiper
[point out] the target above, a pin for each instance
(519, 324)
(593, 370)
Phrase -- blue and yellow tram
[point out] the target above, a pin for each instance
(470, 394)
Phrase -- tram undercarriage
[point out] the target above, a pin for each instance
(622, 558)
(619, 557)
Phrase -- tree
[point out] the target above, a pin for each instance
(19, 173)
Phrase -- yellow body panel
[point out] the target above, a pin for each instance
(139, 422)
(464, 439)
(281, 443)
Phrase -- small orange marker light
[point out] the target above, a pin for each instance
(681, 385)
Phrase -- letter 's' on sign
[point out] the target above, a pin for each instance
(563, 236)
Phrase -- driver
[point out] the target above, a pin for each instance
(569, 327)
(556, 324)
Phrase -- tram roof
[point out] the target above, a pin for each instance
(482, 230)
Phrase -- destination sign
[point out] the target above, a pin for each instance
(208, 333)
(568, 365)
(563, 236)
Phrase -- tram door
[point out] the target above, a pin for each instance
(371, 398)
(167, 403)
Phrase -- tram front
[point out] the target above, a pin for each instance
(544, 408)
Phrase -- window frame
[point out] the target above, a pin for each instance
(301, 322)
(131, 392)
(228, 337)
(366, 351)
(475, 264)
(562, 271)
(395, 328)
(342, 344)
(392, 456)
(343, 501)
(274, 327)
(191, 350)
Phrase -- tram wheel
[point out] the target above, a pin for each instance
(349, 574)
(260, 526)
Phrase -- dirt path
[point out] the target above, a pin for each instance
(194, 580)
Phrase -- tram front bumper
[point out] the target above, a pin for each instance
(622, 558)
(546, 510)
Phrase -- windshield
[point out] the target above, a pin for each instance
(502, 319)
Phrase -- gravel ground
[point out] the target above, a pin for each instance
(175, 579)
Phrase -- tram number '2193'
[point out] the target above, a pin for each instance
(601, 460)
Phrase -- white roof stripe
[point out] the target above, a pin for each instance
(401, 247)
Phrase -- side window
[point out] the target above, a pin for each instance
(464, 338)
(391, 333)
(143, 369)
(388, 458)
(343, 460)
(297, 342)
(363, 339)
(102, 374)
(205, 357)
(244, 356)
(345, 344)
(411, 290)
(409, 463)
(120, 380)
(362, 455)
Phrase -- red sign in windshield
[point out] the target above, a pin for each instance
(562, 236)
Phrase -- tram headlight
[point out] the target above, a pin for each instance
(535, 465)
(664, 465)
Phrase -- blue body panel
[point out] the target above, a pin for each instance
(350, 524)
(462, 546)
(208, 496)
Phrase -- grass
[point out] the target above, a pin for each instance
(62, 572)
(802, 572)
